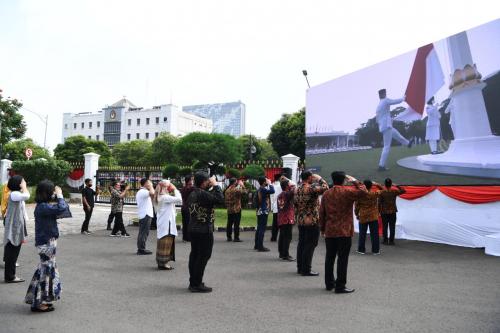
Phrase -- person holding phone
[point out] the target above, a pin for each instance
(201, 202)
(146, 213)
(117, 195)
(15, 221)
(263, 207)
(232, 197)
(45, 286)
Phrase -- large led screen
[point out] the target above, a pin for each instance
(427, 117)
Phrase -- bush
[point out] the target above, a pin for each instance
(171, 171)
(233, 173)
(199, 166)
(253, 171)
(35, 171)
(185, 171)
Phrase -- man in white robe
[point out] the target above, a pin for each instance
(384, 121)
(432, 130)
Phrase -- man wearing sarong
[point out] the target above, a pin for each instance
(165, 198)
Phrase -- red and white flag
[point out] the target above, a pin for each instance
(425, 80)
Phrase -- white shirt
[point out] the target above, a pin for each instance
(383, 113)
(166, 214)
(433, 115)
(274, 197)
(144, 203)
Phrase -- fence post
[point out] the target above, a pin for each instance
(291, 161)
(91, 166)
(5, 165)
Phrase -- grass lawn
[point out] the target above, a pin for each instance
(248, 218)
(364, 164)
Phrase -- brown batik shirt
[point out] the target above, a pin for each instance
(232, 198)
(387, 200)
(335, 214)
(306, 202)
(366, 208)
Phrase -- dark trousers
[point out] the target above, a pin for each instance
(119, 226)
(11, 252)
(284, 239)
(308, 240)
(363, 227)
(142, 237)
(201, 251)
(185, 225)
(88, 215)
(233, 219)
(389, 220)
(274, 228)
(111, 217)
(261, 229)
(337, 247)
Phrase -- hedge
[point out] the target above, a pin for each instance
(35, 171)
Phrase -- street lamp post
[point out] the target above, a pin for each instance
(44, 120)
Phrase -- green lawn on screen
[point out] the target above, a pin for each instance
(363, 164)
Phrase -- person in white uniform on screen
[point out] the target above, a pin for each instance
(432, 130)
(384, 121)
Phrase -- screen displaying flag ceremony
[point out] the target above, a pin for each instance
(430, 116)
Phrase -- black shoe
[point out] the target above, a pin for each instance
(392, 243)
(108, 227)
(15, 280)
(311, 273)
(263, 249)
(144, 252)
(47, 309)
(385, 242)
(229, 239)
(289, 258)
(330, 288)
(273, 240)
(200, 289)
(237, 240)
(344, 291)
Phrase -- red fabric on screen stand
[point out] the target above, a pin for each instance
(472, 194)
(415, 192)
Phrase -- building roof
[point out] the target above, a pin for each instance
(124, 102)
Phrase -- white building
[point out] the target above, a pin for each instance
(123, 121)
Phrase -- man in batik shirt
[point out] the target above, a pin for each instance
(388, 209)
(307, 210)
(232, 197)
(336, 223)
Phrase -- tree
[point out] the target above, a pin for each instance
(288, 134)
(15, 150)
(253, 171)
(13, 125)
(133, 153)
(207, 148)
(267, 150)
(245, 142)
(171, 171)
(35, 171)
(74, 147)
(162, 150)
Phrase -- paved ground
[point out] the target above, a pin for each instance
(413, 287)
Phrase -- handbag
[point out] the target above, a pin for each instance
(66, 214)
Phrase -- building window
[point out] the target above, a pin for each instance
(90, 138)
(157, 120)
(90, 124)
(138, 121)
(164, 119)
(98, 124)
(147, 135)
(128, 136)
(65, 126)
(137, 136)
(130, 122)
(97, 137)
(156, 134)
(74, 125)
(83, 125)
(147, 121)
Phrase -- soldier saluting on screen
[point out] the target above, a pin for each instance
(384, 121)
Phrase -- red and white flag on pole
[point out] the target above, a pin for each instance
(425, 80)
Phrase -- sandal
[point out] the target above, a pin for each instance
(47, 309)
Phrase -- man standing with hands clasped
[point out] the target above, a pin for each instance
(336, 223)
(145, 212)
(88, 195)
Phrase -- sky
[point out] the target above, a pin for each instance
(61, 56)
(354, 97)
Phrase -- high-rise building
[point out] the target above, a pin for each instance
(123, 121)
(227, 118)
